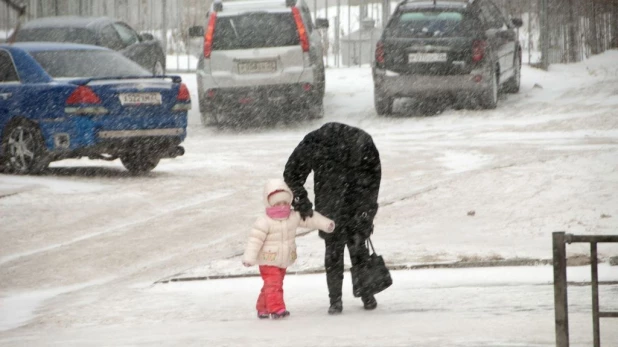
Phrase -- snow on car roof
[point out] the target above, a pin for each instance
(66, 21)
(51, 46)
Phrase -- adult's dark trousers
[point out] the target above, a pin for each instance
(333, 258)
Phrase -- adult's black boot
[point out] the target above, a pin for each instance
(369, 302)
(335, 308)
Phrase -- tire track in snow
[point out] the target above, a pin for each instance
(195, 202)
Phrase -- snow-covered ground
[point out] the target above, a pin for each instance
(83, 245)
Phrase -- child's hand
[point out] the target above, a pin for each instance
(331, 227)
(246, 264)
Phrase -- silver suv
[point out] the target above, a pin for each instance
(260, 55)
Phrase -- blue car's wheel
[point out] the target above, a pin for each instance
(24, 150)
(139, 163)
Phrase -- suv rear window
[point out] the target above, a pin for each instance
(430, 23)
(75, 35)
(255, 30)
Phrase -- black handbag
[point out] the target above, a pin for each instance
(372, 276)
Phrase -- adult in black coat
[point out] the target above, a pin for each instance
(347, 173)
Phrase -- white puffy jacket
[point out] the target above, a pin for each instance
(273, 241)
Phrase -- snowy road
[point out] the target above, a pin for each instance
(545, 160)
(497, 307)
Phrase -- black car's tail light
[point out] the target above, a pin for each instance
(380, 54)
(478, 50)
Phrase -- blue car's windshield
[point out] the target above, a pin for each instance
(85, 63)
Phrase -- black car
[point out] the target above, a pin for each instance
(462, 49)
(100, 31)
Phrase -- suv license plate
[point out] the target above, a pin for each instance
(426, 57)
(136, 99)
(257, 67)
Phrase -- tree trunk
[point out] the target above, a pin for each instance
(572, 33)
(614, 23)
(594, 35)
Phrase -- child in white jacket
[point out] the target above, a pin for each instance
(272, 245)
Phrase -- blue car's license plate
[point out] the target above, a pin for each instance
(136, 99)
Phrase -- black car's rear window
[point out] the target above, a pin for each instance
(431, 23)
(74, 35)
(255, 30)
(85, 63)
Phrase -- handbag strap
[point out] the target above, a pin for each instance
(371, 244)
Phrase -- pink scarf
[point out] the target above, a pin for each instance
(278, 212)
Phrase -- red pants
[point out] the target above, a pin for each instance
(271, 296)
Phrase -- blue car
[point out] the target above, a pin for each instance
(61, 101)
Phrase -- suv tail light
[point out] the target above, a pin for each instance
(183, 99)
(84, 100)
(478, 50)
(380, 53)
(210, 32)
(302, 32)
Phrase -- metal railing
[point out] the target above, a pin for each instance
(559, 241)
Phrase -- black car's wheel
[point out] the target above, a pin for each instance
(489, 98)
(513, 84)
(382, 103)
(24, 149)
(158, 69)
(139, 163)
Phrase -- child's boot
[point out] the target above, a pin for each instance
(280, 314)
(263, 315)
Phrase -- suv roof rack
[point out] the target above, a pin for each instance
(217, 5)
(435, 1)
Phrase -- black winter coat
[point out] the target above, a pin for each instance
(347, 174)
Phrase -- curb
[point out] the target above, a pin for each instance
(457, 265)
